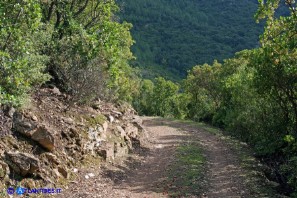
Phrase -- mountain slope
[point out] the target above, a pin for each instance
(174, 35)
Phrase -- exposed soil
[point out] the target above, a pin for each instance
(145, 173)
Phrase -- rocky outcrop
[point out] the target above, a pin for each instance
(52, 138)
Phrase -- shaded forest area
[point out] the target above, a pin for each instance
(172, 36)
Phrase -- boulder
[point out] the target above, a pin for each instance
(23, 125)
(45, 137)
(106, 151)
(22, 163)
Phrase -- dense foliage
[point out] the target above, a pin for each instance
(79, 43)
(161, 98)
(21, 62)
(172, 35)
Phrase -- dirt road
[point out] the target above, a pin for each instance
(150, 172)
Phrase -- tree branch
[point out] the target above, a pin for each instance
(81, 9)
(10, 33)
(50, 11)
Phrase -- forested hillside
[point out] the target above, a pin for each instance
(173, 36)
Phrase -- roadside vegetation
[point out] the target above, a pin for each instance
(76, 45)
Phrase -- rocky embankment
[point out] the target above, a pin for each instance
(44, 144)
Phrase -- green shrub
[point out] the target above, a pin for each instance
(21, 61)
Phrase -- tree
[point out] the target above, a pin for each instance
(202, 84)
(21, 62)
(275, 61)
(276, 76)
(89, 49)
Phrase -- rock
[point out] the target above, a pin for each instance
(116, 113)
(23, 125)
(90, 147)
(9, 111)
(121, 149)
(55, 91)
(34, 118)
(106, 151)
(57, 173)
(68, 121)
(105, 126)
(91, 175)
(4, 170)
(128, 142)
(121, 131)
(29, 183)
(63, 172)
(131, 130)
(81, 124)
(137, 119)
(73, 132)
(75, 170)
(22, 163)
(111, 118)
(52, 158)
(79, 142)
(93, 133)
(45, 137)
